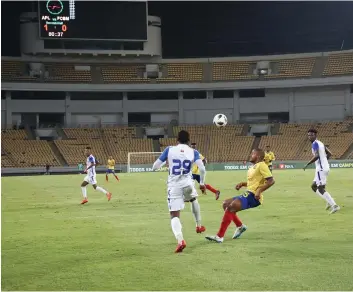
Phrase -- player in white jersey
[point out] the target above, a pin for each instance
(91, 177)
(180, 184)
(322, 168)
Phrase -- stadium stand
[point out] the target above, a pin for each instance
(28, 153)
(124, 74)
(182, 72)
(289, 144)
(60, 72)
(294, 68)
(339, 64)
(13, 135)
(116, 142)
(284, 147)
(122, 140)
(15, 71)
(232, 148)
(296, 135)
(73, 150)
(223, 71)
(337, 144)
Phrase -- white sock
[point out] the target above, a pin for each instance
(176, 227)
(329, 199)
(320, 195)
(84, 192)
(195, 208)
(101, 190)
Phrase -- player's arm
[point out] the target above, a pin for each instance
(316, 155)
(240, 185)
(273, 157)
(202, 170)
(198, 161)
(267, 175)
(328, 152)
(93, 163)
(161, 160)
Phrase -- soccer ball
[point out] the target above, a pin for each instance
(220, 120)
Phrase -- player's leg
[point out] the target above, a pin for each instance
(213, 190)
(232, 207)
(93, 182)
(321, 180)
(330, 201)
(84, 190)
(175, 204)
(226, 220)
(116, 177)
(190, 195)
(315, 190)
(106, 175)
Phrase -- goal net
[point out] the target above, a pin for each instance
(142, 161)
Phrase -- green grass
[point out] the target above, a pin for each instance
(51, 242)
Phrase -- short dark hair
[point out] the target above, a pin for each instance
(312, 131)
(183, 137)
(193, 143)
(268, 146)
(88, 148)
(261, 153)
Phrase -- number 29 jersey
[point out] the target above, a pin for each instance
(180, 159)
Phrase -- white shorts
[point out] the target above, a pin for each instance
(321, 177)
(178, 196)
(91, 179)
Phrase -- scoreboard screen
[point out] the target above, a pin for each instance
(96, 20)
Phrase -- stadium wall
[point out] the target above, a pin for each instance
(303, 104)
(230, 166)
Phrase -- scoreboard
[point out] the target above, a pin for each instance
(93, 20)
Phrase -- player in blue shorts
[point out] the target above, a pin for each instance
(259, 180)
(111, 168)
(196, 175)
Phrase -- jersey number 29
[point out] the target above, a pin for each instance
(181, 167)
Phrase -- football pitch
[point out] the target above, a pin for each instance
(51, 242)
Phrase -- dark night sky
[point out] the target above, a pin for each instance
(205, 29)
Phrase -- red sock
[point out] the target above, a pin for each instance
(236, 220)
(116, 177)
(227, 218)
(210, 188)
(106, 177)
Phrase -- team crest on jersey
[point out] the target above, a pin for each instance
(181, 150)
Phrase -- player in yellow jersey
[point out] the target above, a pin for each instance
(111, 168)
(269, 157)
(196, 174)
(259, 180)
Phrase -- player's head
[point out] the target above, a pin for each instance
(110, 157)
(268, 148)
(193, 145)
(312, 133)
(88, 151)
(183, 137)
(257, 155)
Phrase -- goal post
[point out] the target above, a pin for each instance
(142, 161)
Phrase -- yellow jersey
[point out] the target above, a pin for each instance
(195, 168)
(257, 175)
(269, 157)
(111, 164)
